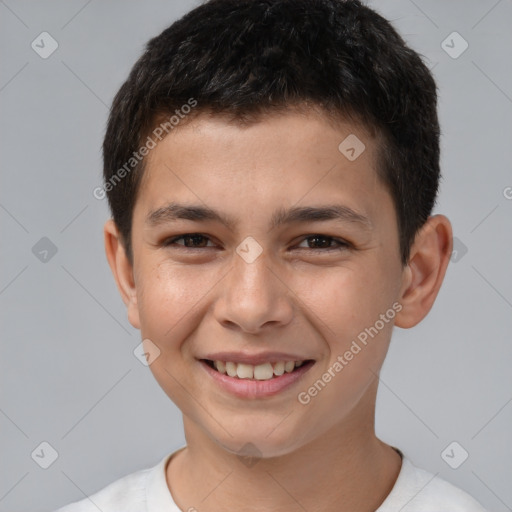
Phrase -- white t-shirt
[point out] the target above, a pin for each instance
(415, 490)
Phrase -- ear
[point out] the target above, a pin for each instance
(122, 270)
(424, 274)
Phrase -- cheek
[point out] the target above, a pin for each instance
(167, 299)
(170, 308)
(346, 306)
(344, 300)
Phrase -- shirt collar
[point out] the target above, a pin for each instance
(158, 495)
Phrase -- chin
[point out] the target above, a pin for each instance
(264, 441)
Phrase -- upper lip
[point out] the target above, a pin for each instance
(254, 359)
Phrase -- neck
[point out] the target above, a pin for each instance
(346, 469)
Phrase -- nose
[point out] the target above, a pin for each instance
(254, 297)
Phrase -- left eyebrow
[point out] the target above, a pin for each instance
(175, 211)
(318, 214)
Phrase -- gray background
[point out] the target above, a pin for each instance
(68, 373)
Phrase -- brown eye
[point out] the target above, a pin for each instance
(190, 241)
(324, 243)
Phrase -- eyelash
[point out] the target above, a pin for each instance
(342, 244)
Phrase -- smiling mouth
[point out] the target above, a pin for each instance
(265, 371)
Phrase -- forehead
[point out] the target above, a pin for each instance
(287, 158)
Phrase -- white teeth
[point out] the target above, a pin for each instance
(289, 366)
(265, 371)
(220, 366)
(279, 368)
(231, 369)
(245, 371)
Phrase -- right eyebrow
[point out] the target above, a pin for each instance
(175, 211)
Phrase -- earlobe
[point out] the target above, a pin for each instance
(122, 270)
(423, 276)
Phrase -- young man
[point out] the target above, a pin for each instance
(271, 167)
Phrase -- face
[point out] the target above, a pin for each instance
(260, 247)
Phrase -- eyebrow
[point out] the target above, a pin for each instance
(175, 211)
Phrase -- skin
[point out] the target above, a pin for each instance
(296, 297)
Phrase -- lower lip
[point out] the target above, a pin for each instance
(249, 388)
